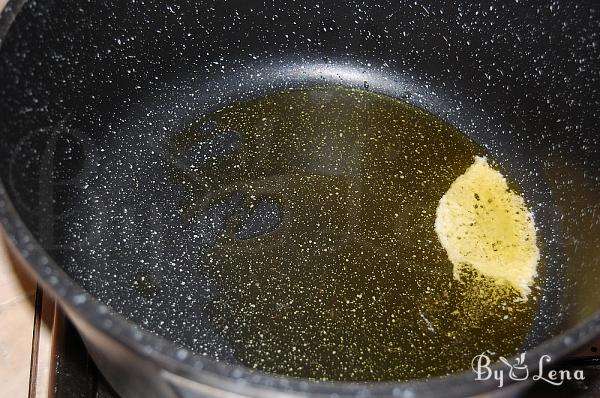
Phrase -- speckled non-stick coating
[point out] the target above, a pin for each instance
(83, 84)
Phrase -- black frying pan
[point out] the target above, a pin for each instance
(91, 94)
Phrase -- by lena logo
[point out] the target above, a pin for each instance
(519, 371)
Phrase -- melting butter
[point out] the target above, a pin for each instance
(483, 224)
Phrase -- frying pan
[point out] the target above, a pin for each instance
(90, 91)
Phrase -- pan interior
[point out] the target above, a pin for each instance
(292, 233)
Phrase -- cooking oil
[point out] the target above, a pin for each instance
(328, 264)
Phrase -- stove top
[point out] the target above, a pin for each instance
(76, 375)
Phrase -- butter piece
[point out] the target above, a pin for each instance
(480, 222)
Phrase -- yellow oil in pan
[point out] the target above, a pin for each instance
(376, 241)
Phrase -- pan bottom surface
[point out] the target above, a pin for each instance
(292, 232)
